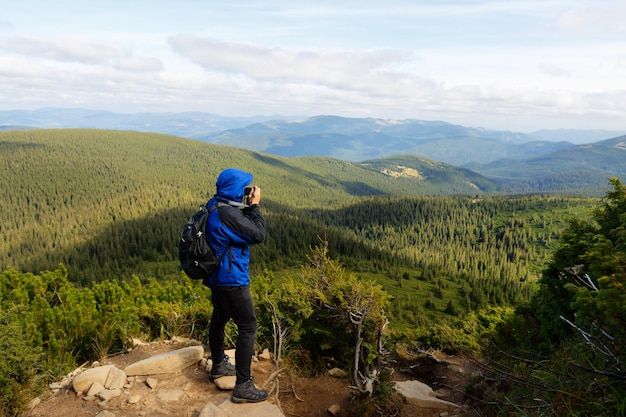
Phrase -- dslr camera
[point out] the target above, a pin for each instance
(247, 192)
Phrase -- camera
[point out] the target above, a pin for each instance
(247, 193)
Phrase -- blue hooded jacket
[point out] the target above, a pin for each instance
(232, 228)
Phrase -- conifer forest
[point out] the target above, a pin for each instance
(89, 228)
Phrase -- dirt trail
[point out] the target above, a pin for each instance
(185, 394)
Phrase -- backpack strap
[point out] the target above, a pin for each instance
(229, 248)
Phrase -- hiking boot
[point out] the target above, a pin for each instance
(223, 368)
(248, 393)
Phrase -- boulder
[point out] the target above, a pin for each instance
(115, 379)
(84, 380)
(167, 363)
(226, 382)
(422, 395)
(337, 373)
(95, 388)
(262, 409)
(109, 394)
(265, 355)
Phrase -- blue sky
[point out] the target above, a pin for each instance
(513, 65)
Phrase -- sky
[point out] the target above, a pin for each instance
(505, 65)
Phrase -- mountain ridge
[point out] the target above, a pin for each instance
(507, 158)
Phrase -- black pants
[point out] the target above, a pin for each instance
(235, 303)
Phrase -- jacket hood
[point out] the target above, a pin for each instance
(230, 184)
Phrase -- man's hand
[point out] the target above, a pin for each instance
(255, 196)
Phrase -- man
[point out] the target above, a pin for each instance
(231, 229)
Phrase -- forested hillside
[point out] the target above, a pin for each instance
(581, 169)
(109, 207)
(110, 204)
(67, 193)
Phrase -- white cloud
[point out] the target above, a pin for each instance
(319, 66)
(77, 49)
(603, 16)
(67, 49)
(136, 64)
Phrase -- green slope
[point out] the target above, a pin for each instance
(582, 169)
(111, 204)
(77, 184)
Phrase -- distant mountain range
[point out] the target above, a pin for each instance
(187, 124)
(360, 139)
(543, 161)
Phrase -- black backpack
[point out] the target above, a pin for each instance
(195, 254)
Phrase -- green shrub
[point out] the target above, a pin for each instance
(20, 365)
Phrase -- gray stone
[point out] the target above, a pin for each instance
(109, 394)
(262, 409)
(422, 395)
(334, 409)
(337, 373)
(83, 381)
(134, 399)
(265, 355)
(33, 403)
(226, 382)
(166, 363)
(211, 410)
(152, 382)
(138, 342)
(95, 388)
(170, 394)
(115, 379)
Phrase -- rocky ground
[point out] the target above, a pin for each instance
(187, 393)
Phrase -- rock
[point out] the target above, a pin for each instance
(262, 409)
(185, 341)
(138, 342)
(152, 382)
(95, 388)
(83, 381)
(169, 362)
(134, 399)
(265, 355)
(169, 395)
(337, 373)
(180, 340)
(115, 379)
(33, 403)
(212, 410)
(55, 386)
(334, 409)
(226, 382)
(207, 364)
(231, 355)
(422, 395)
(107, 376)
(109, 394)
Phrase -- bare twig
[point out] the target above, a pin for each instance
(596, 371)
(595, 343)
